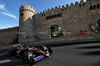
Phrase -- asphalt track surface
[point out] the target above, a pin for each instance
(63, 55)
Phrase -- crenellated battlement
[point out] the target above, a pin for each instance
(9, 29)
(26, 8)
(71, 18)
(62, 8)
(95, 6)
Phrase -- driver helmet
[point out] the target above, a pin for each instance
(44, 48)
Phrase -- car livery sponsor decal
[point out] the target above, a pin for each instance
(47, 54)
(38, 58)
(18, 52)
(16, 45)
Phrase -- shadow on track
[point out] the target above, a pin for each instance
(67, 43)
(90, 47)
(92, 53)
(12, 61)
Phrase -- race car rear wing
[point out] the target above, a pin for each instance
(17, 45)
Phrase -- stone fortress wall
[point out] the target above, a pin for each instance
(26, 23)
(9, 35)
(72, 19)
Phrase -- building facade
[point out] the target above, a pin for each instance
(62, 21)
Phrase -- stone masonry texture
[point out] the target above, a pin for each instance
(36, 27)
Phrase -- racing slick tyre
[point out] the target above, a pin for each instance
(28, 57)
(50, 50)
(22, 53)
(9, 52)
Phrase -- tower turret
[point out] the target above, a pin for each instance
(26, 23)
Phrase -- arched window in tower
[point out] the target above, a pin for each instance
(80, 5)
(53, 16)
(56, 31)
(83, 4)
(94, 7)
(98, 5)
(21, 14)
(57, 15)
(91, 8)
(48, 17)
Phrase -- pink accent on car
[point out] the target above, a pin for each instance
(47, 54)
(31, 48)
(18, 52)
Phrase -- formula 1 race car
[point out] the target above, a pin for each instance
(37, 54)
(18, 50)
(30, 54)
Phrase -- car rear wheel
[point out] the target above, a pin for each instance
(27, 56)
(9, 52)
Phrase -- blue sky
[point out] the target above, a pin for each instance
(9, 9)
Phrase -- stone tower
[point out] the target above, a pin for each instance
(26, 23)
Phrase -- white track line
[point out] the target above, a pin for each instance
(3, 53)
(5, 61)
